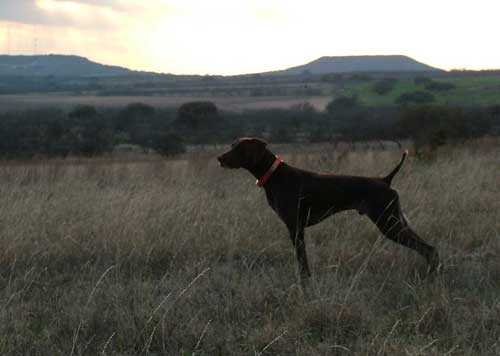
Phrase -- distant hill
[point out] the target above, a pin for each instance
(348, 64)
(58, 66)
(76, 66)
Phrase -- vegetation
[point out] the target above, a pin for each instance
(197, 115)
(171, 255)
(183, 258)
(86, 131)
(384, 86)
(451, 89)
(342, 104)
(439, 86)
(416, 97)
(433, 126)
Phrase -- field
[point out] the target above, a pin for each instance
(471, 91)
(184, 258)
(231, 103)
(480, 90)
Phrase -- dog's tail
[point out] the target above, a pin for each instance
(388, 178)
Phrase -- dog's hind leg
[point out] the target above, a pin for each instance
(387, 215)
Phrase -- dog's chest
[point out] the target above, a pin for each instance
(272, 200)
(284, 203)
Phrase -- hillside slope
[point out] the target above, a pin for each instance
(348, 64)
(57, 65)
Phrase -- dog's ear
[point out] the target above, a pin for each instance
(258, 150)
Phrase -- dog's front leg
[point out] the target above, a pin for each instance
(297, 237)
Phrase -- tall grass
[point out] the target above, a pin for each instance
(183, 258)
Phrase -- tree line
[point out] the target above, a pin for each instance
(87, 131)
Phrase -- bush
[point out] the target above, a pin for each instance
(332, 78)
(305, 107)
(384, 86)
(83, 112)
(342, 103)
(361, 77)
(421, 80)
(168, 144)
(437, 125)
(439, 86)
(416, 97)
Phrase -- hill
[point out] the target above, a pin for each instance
(348, 64)
(76, 66)
(58, 66)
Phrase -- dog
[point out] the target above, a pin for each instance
(302, 198)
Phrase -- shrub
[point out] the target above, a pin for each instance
(305, 107)
(421, 80)
(332, 78)
(342, 103)
(416, 97)
(83, 112)
(435, 126)
(361, 77)
(439, 86)
(168, 144)
(384, 86)
(132, 115)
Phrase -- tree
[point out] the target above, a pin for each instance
(433, 126)
(135, 121)
(90, 133)
(196, 114)
(132, 115)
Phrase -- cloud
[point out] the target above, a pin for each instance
(22, 11)
(115, 5)
(83, 14)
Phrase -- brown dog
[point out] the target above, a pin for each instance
(302, 198)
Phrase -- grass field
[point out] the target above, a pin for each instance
(236, 103)
(468, 91)
(184, 258)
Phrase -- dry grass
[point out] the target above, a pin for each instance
(236, 103)
(182, 258)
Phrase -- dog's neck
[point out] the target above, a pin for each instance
(263, 165)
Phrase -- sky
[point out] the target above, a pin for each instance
(249, 36)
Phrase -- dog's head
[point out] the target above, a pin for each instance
(244, 153)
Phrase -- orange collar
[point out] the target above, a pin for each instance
(263, 180)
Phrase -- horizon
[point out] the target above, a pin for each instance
(222, 75)
(230, 38)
